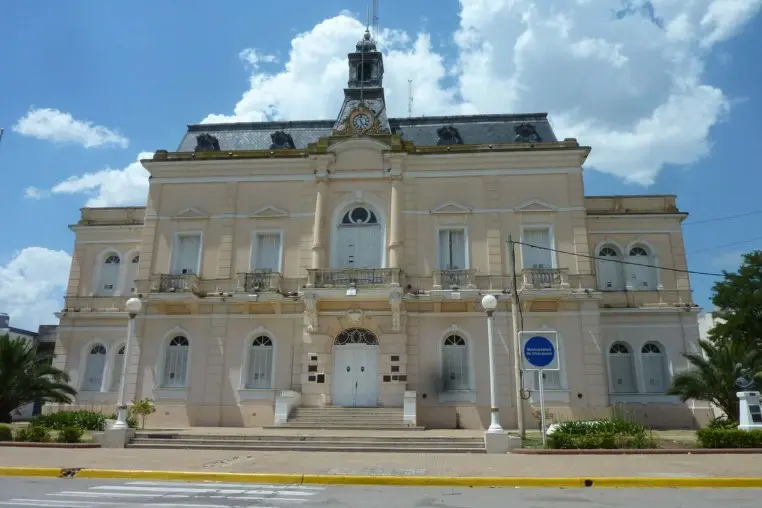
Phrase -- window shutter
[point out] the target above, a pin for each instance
(444, 249)
(533, 257)
(458, 249)
(268, 252)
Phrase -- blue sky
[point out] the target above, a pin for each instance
(666, 92)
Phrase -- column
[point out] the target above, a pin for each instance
(318, 237)
(395, 232)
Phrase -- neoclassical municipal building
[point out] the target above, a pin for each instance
(342, 263)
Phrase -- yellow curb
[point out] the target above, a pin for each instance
(49, 472)
(410, 481)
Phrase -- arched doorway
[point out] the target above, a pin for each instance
(355, 369)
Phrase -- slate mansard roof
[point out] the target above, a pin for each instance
(421, 131)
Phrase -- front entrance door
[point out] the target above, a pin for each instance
(355, 369)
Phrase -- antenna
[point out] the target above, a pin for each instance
(375, 19)
(409, 98)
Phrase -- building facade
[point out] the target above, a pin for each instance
(342, 263)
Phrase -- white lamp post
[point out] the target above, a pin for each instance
(489, 303)
(133, 306)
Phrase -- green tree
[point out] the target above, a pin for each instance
(713, 374)
(26, 377)
(738, 300)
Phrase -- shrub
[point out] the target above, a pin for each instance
(33, 434)
(603, 434)
(132, 419)
(5, 433)
(722, 423)
(729, 438)
(81, 419)
(142, 408)
(70, 435)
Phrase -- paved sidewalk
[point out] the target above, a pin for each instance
(415, 464)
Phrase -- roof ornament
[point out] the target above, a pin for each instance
(206, 143)
(448, 135)
(526, 133)
(281, 140)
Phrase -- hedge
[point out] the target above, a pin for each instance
(5, 433)
(81, 419)
(33, 434)
(603, 434)
(729, 438)
(70, 435)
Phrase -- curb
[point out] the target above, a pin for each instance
(410, 481)
(12, 444)
(653, 451)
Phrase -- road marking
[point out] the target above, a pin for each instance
(196, 490)
(292, 486)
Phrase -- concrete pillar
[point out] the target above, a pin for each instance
(395, 233)
(318, 230)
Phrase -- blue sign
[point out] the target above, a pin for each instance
(539, 351)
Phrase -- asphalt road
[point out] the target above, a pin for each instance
(26, 492)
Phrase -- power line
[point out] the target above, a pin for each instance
(622, 261)
(718, 219)
(749, 240)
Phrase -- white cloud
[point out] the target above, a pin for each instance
(32, 286)
(110, 187)
(54, 125)
(628, 82)
(34, 193)
(252, 57)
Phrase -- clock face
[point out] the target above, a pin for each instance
(361, 122)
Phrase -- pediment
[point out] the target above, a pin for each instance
(269, 212)
(536, 205)
(190, 213)
(451, 207)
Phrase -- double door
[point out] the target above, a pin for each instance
(355, 375)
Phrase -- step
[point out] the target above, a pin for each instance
(415, 437)
(311, 444)
(293, 447)
(349, 426)
(346, 421)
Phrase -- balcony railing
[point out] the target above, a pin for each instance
(94, 303)
(353, 277)
(544, 278)
(449, 279)
(259, 281)
(164, 283)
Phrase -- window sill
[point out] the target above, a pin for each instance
(170, 393)
(643, 398)
(549, 396)
(458, 396)
(256, 394)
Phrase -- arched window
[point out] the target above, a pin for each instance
(109, 277)
(622, 369)
(609, 269)
(654, 368)
(95, 364)
(176, 363)
(641, 278)
(356, 336)
(116, 371)
(455, 363)
(359, 239)
(260, 367)
(132, 274)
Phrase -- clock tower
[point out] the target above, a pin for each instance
(364, 108)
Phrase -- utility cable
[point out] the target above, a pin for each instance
(749, 240)
(610, 260)
(718, 219)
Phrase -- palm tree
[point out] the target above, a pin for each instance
(26, 377)
(713, 374)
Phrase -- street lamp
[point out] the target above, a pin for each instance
(489, 303)
(133, 306)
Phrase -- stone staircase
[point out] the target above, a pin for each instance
(365, 441)
(347, 418)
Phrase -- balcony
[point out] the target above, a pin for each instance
(94, 303)
(353, 277)
(647, 299)
(544, 278)
(259, 281)
(167, 284)
(454, 279)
